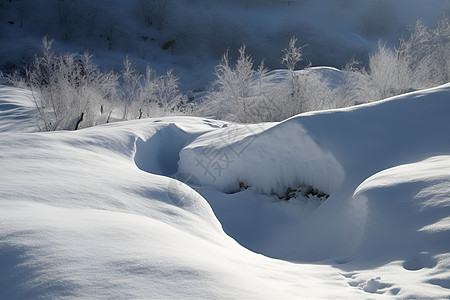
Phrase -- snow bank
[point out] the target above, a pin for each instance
(386, 166)
(98, 212)
(334, 151)
(405, 213)
(322, 149)
(79, 219)
(403, 230)
(16, 110)
(269, 161)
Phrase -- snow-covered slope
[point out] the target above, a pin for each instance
(98, 212)
(385, 165)
(333, 151)
(80, 219)
(16, 110)
(325, 148)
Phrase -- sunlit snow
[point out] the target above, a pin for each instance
(98, 212)
(350, 203)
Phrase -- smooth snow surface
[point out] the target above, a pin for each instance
(16, 110)
(333, 151)
(99, 213)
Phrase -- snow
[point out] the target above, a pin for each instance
(189, 207)
(16, 110)
(105, 211)
(80, 219)
(322, 152)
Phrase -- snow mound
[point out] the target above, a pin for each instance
(334, 151)
(322, 149)
(16, 110)
(398, 207)
(269, 161)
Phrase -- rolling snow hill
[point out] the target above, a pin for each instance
(105, 211)
(349, 203)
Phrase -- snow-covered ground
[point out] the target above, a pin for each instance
(103, 212)
(351, 203)
(16, 110)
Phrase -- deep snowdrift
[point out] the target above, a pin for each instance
(80, 219)
(98, 213)
(333, 151)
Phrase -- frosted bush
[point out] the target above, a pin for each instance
(356, 86)
(150, 95)
(442, 48)
(232, 94)
(422, 60)
(292, 55)
(389, 72)
(244, 94)
(69, 91)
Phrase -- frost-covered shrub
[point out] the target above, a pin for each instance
(130, 90)
(421, 60)
(312, 92)
(242, 93)
(426, 53)
(292, 55)
(295, 96)
(167, 94)
(232, 92)
(149, 95)
(441, 51)
(389, 72)
(355, 87)
(69, 91)
(304, 90)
